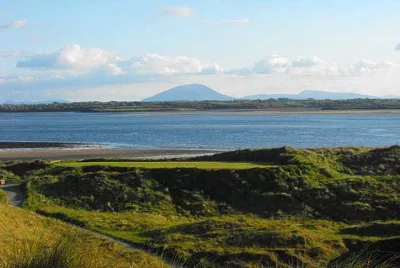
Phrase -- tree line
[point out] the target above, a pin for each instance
(271, 104)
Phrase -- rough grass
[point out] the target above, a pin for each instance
(30, 241)
(3, 197)
(169, 165)
(225, 241)
(312, 207)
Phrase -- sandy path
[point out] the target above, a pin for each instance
(15, 193)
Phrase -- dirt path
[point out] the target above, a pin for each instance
(15, 194)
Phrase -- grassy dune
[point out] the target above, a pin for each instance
(28, 240)
(309, 208)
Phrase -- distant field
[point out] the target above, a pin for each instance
(159, 164)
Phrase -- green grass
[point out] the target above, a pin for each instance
(210, 165)
(305, 209)
(206, 240)
(3, 197)
(31, 241)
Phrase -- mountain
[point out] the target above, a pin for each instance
(193, 92)
(312, 94)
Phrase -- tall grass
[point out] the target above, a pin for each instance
(45, 250)
(30, 241)
(368, 259)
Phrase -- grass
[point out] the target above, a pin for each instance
(30, 241)
(209, 165)
(304, 210)
(3, 197)
(244, 239)
(210, 240)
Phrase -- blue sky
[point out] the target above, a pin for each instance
(130, 49)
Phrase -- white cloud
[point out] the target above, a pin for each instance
(178, 11)
(69, 57)
(168, 65)
(113, 69)
(81, 60)
(244, 21)
(305, 62)
(313, 66)
(368, 67)
(271, 64)
(13, 25)
(93, 71)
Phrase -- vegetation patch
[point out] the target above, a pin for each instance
(309, 208)
(28, 240)
(169, 165)
(271, 104)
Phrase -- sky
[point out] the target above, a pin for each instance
(87, 50)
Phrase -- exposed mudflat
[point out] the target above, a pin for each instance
(60, 154)
(34, 145)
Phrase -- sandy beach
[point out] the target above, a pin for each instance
(62, 154)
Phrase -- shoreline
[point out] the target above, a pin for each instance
(273, 112)
(78, 154)
(31, 145)
(283, 111)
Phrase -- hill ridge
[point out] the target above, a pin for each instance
(189, 92)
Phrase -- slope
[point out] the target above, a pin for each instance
(193, 92)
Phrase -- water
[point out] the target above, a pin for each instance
(202, 130)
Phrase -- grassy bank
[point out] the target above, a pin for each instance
(28, 240)
(308, 208)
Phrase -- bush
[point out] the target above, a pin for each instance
(22, 168)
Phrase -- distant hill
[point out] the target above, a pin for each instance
(312, 94)
(193, 92)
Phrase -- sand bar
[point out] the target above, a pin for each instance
(60, 154)
(38, 144)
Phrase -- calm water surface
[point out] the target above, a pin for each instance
(202, 130)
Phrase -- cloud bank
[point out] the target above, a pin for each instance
(77, 58)
(74, 69)
(69, 57)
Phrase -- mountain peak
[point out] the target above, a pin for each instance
(312, 94)
(190, 92)
(308, 91)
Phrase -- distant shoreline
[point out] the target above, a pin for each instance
(235, 112)
(275, 112)
(275, 105)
